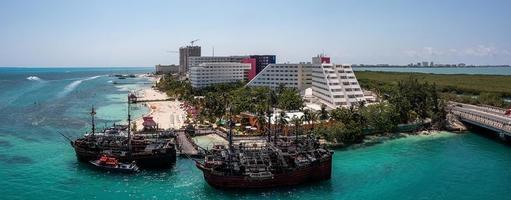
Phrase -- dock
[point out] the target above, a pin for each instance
(186, 146)
(150, 100)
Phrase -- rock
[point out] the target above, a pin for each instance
(454, 124)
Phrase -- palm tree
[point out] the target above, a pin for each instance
(307, 116)
(313, 119)
(261, 121)
(323, 113)
(297, 122)
(282, 121)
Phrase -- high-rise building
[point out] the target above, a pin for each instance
(207, 74)
(320, 59)
(184, 54)
(290, 75)
(261, 62)
(335, 85)
(194, 61)
(253, 65)
(166, 69)
(332, 85)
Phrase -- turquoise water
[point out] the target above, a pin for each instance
(207, 142)
(447, 70)
(37, 163)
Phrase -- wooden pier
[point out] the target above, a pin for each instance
(186, 146)
(150, 100)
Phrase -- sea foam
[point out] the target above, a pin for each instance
(34, 78)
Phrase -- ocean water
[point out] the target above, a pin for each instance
(37, 163)
(447, 70)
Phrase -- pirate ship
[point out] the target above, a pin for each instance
(281, 161)
(152, 147)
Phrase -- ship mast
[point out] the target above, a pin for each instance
(92, 114)
(272, 99)
(268, 111)
(129, 126)
(230, 123)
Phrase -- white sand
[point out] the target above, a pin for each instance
(167, 114)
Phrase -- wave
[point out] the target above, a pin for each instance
(34, 78)
(72, 86)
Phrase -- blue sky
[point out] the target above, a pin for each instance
(139, 33)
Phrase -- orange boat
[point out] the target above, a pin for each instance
(112, 164)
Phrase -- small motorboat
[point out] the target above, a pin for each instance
(112, 164)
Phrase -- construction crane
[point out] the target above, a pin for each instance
(172, 51)
(193, 41)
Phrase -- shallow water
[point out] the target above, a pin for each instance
(36, 162)
(208, 141)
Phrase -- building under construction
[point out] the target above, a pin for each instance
(185, 53)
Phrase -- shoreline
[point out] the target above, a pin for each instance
(375, 139)
(167, 114)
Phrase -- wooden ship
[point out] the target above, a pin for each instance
(150, 148)
(281, 161)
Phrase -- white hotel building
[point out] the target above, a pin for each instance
(332, 85)
(195, 61)
(204, 71)
(297, 76)
(206, 74)
(335, 85)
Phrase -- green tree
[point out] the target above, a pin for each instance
(323, 113)
(341, 114)
(381, 117)
(282, 120)
(289, 99)
(297, 123)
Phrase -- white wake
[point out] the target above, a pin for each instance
(72, 86)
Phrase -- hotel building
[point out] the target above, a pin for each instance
(261, 61)
(195, 61)
(332, 85)
(297, 76)
(206, 74)
(166, 69)
(335, 85)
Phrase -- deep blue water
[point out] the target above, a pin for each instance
(37, 163)
(447, 70)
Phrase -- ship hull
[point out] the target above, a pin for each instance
(316, 172)
(159, 160)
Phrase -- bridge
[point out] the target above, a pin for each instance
(488, 117)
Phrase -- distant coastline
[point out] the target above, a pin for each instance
(486, 70)
(439, 66)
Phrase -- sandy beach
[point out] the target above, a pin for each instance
(167, 114)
